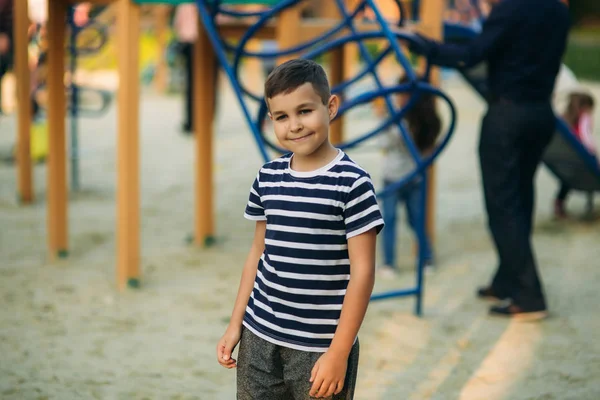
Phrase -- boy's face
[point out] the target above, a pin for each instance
(301, 120)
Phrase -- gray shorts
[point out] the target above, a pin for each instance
(266, 371)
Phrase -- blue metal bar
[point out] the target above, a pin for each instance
(240, 14)
(395, 293)
(422, 237)
(417, 291)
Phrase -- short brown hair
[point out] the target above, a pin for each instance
(292, 74)
(423, 120)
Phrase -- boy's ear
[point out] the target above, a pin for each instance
(333, 106)
(270, 116)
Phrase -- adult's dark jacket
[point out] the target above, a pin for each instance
(522, 41)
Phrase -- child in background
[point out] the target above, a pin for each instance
(308, 277)
(423, 124)
(579, 116)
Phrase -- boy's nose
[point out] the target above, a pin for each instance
(296, 126)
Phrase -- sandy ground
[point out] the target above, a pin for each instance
(66, 333)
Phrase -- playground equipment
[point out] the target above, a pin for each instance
(565, 156)
(96, 101)
(97, 37)
(294, 36)
(320, 45)
(78, 92)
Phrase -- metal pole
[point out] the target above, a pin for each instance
(74, 102)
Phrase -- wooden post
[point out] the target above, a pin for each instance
(128, 182)
(23, 157)
(253, 67)
(57, 161)
(336, 135)
(286, 31)
(204, 99)
(336, 73)
(431, 14)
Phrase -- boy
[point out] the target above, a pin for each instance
(316, 224)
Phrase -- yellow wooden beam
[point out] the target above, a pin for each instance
(336, 72)
(204, 108)
(128, 181)
(287, 32)
(23, 158)
(57, 156)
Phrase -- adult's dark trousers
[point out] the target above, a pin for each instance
(187, 51)
(513, 139)
(563, 192)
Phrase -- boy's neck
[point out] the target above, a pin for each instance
(317, 159)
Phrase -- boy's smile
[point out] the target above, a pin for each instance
(302, 138)
(301, 124)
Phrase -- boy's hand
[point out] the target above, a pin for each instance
(226, 345)
(328, 375)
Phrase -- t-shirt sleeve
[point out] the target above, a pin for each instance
(254, 208)
(361, 212)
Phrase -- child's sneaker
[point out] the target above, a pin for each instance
(386, 271)
(429, 267)
(559, 209)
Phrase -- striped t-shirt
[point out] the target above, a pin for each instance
(305, 268)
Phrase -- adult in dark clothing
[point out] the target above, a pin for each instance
(6, 34)
(522, 42)
(185, 24)
(6, 26)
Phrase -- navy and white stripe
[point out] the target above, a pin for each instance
(304, 271)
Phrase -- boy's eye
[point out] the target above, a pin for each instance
(280, 117)
(305, 111)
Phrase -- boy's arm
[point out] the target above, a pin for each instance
(249, 274)
(232, 335)
(361, 250)
(333, 364)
